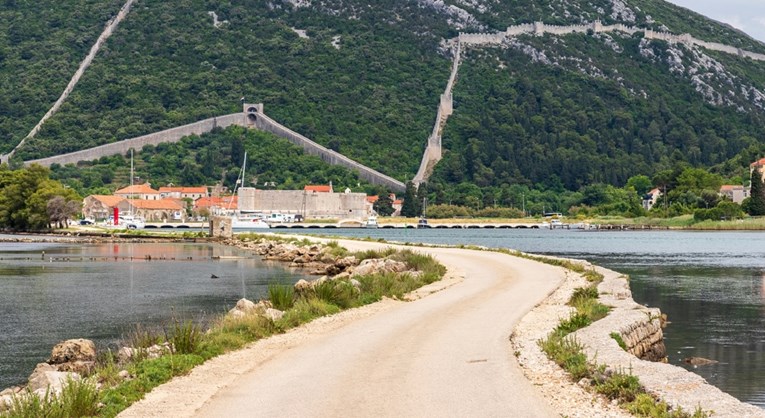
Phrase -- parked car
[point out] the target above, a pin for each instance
(86, 222)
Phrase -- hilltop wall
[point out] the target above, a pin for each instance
(123, 147)
(540, 28)
(107, 32)
(264, 123)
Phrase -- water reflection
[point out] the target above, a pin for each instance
(711, 284)
(100, 291)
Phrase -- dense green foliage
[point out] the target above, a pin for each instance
(271, 163)
(541, 119)
(756, 204)
(41, 44)
(29, 199)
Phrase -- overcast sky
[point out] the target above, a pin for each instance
(746, 15)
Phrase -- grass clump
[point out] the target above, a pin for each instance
(78, 398)
(185, 337)
(306, 310)
(282, 296)
(619, 340)
(620, 386)
(644, 405)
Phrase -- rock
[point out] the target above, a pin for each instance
(73, 350)
(302, 286)
(273, 314)
(376, 265)
(355, 283)
(124, 354)
(45, 377)
(301, 259)
(5, 402)
(340, 276)
(124, 374)
(245, 305)
(79, 367)
(236, 313)
(699, 361)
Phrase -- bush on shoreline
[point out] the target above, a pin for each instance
(189, 345)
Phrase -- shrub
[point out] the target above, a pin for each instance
(281, 296)
(185, 337)
(305, 310)
(621, 386)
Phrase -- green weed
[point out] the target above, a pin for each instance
(281, 296)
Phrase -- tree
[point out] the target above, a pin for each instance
(642, 184)
(409, 208)
(756, 204)
(383, 206)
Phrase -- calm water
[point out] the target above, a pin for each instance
(101, 298)
(710, 284)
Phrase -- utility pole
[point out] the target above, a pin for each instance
(523, 202)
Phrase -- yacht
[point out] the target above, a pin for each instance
(131, 222)
(371, 222)
(422, 223)
(242, 222)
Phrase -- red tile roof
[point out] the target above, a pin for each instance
(730, 187)
(201, 189)
(163, 204)
(373, 199)
(221, 202)
(758, 163)
(137, 189)
(318, 188)
(109, 201)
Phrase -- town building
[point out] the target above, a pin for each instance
(139, 191)
(163, 210)
(650, 198)
(311, 202)
(736, 193)
(223, 202)
(100, 207)
(192, 193)
(759, 165)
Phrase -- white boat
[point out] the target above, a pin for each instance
(371, 222)
(241, 222)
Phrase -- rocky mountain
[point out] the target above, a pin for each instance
(364, 78)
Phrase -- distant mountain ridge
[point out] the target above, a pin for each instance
(366, 78)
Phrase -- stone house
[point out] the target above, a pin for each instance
(139, 191)
(192, 193)
(101, 207)
(759, 165)
(163, 210)
(735, 193)
(650, 198)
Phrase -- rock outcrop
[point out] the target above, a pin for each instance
(77, 356)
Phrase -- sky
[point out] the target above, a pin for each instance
(746, 15)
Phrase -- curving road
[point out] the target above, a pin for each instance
(446, 354)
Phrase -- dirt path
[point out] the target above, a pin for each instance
(447, 354)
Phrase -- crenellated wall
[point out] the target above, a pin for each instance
(260, 121)
(123, 147)
(107, 32)
(541, 28)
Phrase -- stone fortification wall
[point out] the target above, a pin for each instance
(540, 28)
(309, 204)
(640, 329)
(107, 32)
(433, 150)
(123, 147)
(264, 123)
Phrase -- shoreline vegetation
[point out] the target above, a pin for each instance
(111, 382)
(350, 280)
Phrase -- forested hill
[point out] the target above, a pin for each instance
(364, 78)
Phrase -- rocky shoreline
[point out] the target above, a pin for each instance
(75, 359)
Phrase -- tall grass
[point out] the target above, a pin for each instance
(78, 398)
(282, 296)
(185, 337)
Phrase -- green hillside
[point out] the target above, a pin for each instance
(556, 113)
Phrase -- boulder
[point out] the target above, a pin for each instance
(46, 378)
(377, 265)
(273, 314)
(236, 313)
(73, 350)
(302, 286)
(245, 305)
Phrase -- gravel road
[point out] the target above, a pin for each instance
(446, 354)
